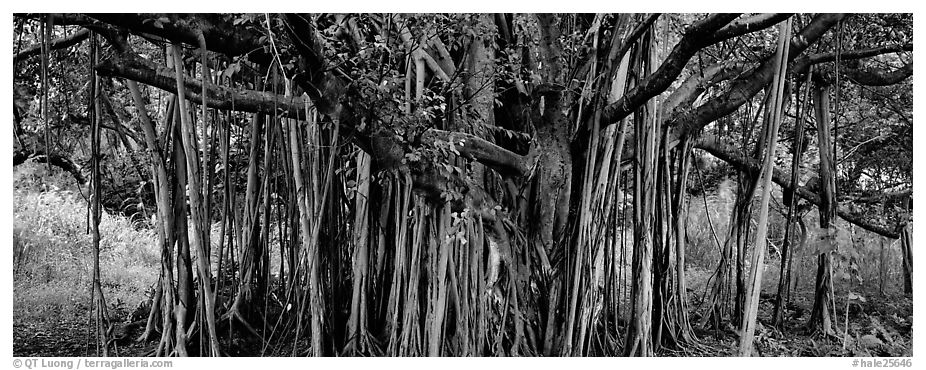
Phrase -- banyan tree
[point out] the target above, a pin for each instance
(468, 184)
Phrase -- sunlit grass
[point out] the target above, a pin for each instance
(53, 254)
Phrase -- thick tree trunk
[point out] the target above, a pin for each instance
(553, 181)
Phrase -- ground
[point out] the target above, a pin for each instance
(881, 327)
(67, 337)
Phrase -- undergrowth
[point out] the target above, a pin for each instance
(53, 250)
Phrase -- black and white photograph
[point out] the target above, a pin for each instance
(461, 184)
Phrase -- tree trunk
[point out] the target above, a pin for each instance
(200, 217)
(249, 225)
(820, 317)
(639, 329)
(906, 245)
(357, 325)
(99, 310)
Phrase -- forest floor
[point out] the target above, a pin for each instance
(67, 336)
(882, 326)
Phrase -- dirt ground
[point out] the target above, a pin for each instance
(881, 326)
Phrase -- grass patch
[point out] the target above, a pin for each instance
(53, 251)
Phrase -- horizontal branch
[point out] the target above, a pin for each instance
(59, 43)
(107, 31)
(220, 97)
(801, 64)
(726, 152)
(481, 150)
(57, 160)
(221, 35)
(879, 76)
(891, 195)
(750, 24)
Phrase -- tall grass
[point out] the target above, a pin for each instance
(52, 252)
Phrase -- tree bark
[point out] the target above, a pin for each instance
(906, 244)
(820, 317)
(639, 329)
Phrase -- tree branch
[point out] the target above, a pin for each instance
(318, 80)
(751, 24)
(697, 37)
(745, 88)
(139, 70)
(60, 43)
(697, 83)
(105, 30)
(57, 160)
(473, 147)
(221, 35)
(877, 76)
(801, 64)
(729, 154)
(136, 69)
(892, 195)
